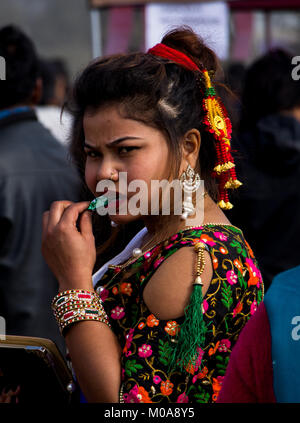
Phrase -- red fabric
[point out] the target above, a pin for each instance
(249, 375)
(161, 50)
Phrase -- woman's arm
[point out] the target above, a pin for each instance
(95, 355)
(69, 250)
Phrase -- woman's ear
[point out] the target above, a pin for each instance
(190, 148)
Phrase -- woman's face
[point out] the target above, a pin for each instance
(115, 144)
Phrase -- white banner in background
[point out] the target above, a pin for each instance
(209, 20)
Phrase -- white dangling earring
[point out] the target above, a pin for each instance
(113, 224)
(190, 182)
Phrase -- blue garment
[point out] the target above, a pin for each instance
(282, 302)
(8, 112)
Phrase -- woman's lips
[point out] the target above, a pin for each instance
(115, 203)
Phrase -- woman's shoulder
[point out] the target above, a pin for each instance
(211, 234)
(225, 241)
(231, 256)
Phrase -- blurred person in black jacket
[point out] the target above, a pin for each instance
(267, 206)
(35, 170)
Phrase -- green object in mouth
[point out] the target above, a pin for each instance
(101, 201)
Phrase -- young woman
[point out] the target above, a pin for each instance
(175, 300)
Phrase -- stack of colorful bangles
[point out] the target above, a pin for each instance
(76, 305)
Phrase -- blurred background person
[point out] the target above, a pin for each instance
(55, 83)
(267, 206)
(264, 365)
(34, 172)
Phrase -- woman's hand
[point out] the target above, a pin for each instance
(70, 253)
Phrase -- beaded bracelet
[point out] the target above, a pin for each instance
(73, 294)
(75, 316)
(77, 305)
(59, 313)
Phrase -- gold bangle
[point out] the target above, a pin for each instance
(77, 305)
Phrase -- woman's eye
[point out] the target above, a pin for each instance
(125, 150)
(92, 154)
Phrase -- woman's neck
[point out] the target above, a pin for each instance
(161, 227)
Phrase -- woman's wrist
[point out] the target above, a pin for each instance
(67, 284)
(75, 305)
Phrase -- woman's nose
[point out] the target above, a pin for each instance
(107, 170)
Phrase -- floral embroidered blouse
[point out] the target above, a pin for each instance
(233, 295)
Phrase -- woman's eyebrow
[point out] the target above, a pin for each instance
(113, 143)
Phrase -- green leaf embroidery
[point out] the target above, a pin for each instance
(202, 396)
(164, 352)
(227, 295)
(233, 229)
(131, 366)
(240, 250)
(259, 296)
(243, 252)
(242, 281)
(222, 364)
(134, 312)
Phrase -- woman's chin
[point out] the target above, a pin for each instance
(123, 219)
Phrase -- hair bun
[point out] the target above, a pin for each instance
(184, 39)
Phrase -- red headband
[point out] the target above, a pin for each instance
(176, 56)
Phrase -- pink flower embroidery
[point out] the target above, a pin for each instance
(207, 239)
(231, 277)
(150, 253)
(183, 398)
(129, 337)
(132, 396)
(204, 306)
(221, 236)
(169, 246)
(117, 313)
(224, 345)
(156, 380)
(253, 307)
(145, 351)
(103, 294)
(157, 262)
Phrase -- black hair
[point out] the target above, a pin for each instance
(50, 70)
(22, 66)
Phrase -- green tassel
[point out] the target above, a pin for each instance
(191, 335)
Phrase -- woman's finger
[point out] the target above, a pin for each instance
(45, 220)
(56, 211)
(71, 214)
(86, 226)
